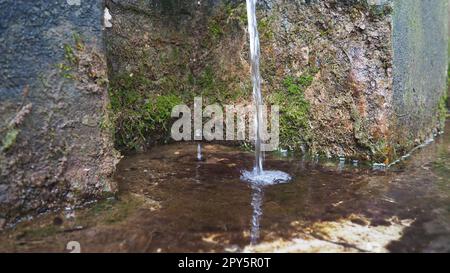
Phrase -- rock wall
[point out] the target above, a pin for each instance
(55, 145)
(363, 79)
(343, 72)
(420, 69)
(326, 63)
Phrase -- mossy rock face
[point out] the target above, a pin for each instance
(294, 110)
(181, 51)
(333, 76)
(204, 51)
(188, 50)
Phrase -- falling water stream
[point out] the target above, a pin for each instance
(256, 80)
(258, 176)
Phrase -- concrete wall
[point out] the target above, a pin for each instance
(420, 41)
(55, 148)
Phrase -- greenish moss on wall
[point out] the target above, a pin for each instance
(294, 110)
(203, 51)
(443, 110)
(142, 117)
(172, 69)
(9, 139)
(138, 115)
(380, 150)
(176, 75)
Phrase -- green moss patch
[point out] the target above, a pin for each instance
(137, 114)
(294, 110)
(10, 139)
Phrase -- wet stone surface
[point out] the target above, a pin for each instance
(54, 149)
(170, 202)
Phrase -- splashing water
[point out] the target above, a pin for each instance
(265, 178)
(258, 176)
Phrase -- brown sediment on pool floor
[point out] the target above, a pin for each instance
(170, 202)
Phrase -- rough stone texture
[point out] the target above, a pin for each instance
(420, 67)
(378, 67)
(55, 149)
(160, 48)
(354, 78)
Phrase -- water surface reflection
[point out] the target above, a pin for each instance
(171, 202)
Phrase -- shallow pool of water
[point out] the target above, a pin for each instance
(170, 202)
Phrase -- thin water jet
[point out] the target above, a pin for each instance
(256, 80)
(199, 152)
(258, 175)
(258, 178)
